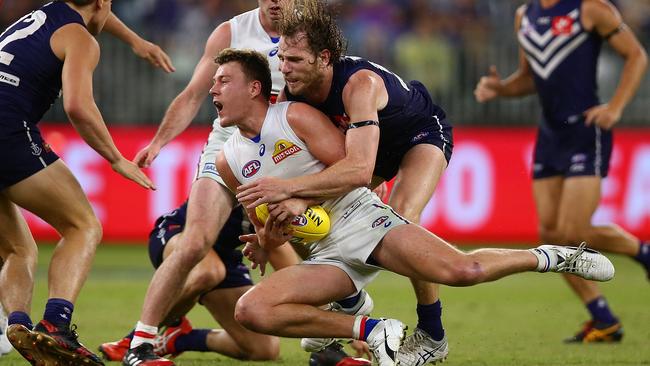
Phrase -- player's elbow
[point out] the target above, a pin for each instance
(75, 109)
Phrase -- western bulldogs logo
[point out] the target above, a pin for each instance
(299, 221)
(251, 168)
(379, 221)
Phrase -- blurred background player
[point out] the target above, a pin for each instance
(209, 203)
(560, 42)
(218, 291)
(48, 51)
(413, 136)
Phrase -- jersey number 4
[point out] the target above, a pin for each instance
(37, 19)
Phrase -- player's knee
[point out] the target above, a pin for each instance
(464, 272)
(194, 248)
(206, 280)
(253, 313)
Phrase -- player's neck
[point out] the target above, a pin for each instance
(251, 125)
(548, 3)
(270, 27)
(321, 90)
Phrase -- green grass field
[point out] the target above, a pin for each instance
(516, 321)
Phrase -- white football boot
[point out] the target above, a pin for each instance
(419, 349)
(581, 261)
(385, 341)
(5, 345)
(363, 307)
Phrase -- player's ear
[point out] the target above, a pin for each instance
(325, 57)
(255, 88)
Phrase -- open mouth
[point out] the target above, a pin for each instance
(218, 105)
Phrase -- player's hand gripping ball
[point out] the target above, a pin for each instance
(307, 228)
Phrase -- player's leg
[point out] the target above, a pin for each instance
(54, 195)
(580, 198)
(287, 304)
(430, 258)
(19, 251)
(206, 275)
(235, 340)
(419, 173)
(208, 208)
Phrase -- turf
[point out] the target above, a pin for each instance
(516, 321)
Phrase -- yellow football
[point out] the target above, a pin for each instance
(309, 227)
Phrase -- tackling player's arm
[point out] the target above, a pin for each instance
(603, 18)
(184, 107)
(518, 84)
(141, 47)
(79, 52)
(354, 156)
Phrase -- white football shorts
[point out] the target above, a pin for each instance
(359, 221)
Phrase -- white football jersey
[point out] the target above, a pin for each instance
(276, 152)
(247, 32)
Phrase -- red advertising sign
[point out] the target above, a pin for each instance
(484, 196)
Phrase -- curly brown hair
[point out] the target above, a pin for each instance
(254, 64)
(318, 22)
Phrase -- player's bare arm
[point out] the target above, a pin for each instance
(80, 54)
(185, 106)
(602, 17)
(361, 96)
(149, 51)
(519, 83)
(326, 143)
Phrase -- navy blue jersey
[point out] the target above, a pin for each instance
(30, 73)
(409, 117)
(227, 241)
(563, 58)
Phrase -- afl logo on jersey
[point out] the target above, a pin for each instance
(379, 221)
(274, 52)
(251, 168)
(562, 25)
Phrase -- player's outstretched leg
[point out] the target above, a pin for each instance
(580, 261)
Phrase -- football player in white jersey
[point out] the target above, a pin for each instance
(365, 237)
(210, 203)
